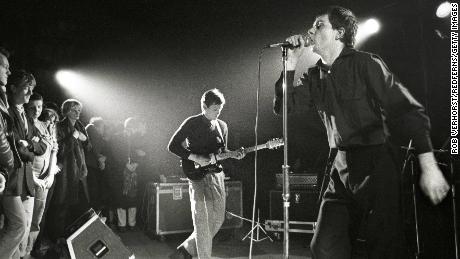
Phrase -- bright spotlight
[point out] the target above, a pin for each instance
(372, 26)
(69, 79)
(366, 29)
(443, 10)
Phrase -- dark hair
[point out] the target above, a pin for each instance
(35, 97)
(213, 96)
(4, 52)
(48, 114)
(69, 103)
(21, 77)
(52, 105)
(340, 17)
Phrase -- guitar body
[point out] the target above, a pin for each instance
(196, 173)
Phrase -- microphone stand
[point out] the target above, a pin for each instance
(286, 192)
(409, 158)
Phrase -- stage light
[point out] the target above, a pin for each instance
(70, 79)
(372, 26)
(443, 10)
(366, 29)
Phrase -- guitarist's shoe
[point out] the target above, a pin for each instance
(180, 253)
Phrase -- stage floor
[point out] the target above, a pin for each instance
(227, 244)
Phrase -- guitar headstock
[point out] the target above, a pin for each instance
(275, 143)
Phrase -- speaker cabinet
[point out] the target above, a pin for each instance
(93, 239)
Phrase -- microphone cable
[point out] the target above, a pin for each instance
(256, 126)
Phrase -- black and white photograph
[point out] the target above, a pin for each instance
(229, 129)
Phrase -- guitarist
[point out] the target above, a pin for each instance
(198, 141)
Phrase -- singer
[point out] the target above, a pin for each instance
(361, 103)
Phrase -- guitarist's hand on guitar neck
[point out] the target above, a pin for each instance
(200, 159)
(236, 154)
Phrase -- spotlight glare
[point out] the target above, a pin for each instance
(366, 29)
(372, 26)
(443, 10)
(69, 79)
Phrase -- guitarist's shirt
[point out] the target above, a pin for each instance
(198, 135)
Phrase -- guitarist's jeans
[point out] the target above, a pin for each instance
(207, 200)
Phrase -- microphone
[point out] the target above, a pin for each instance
(286, 44)
(280, 44)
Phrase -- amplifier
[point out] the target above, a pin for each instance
(168, 208)
(298, 181)
(302, 205)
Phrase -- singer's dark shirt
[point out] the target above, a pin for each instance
(360, 101)
(198, 136)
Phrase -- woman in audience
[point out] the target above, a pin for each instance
(70, 198)
(43, 167)
(95, 161)
(123, 164)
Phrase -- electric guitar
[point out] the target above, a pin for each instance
(194, 171)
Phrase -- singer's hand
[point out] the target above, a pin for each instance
(2, 183)
(295, 53)
(432, 181)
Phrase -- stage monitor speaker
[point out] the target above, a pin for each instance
(93, 239)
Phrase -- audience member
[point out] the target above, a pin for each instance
(44, 167)
(70, 198)
(18, 201)
(95, 161)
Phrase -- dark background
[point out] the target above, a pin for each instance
(155, 58)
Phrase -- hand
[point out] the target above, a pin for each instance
(101, 162)
(23, 143)
(432, 181)
(101, 165)
(101, 158)
(76, 134)
(82, 137)
(40, 183)
(55, 170)
(131, 166)
(49, 180)
(2, 183)
(240, 154)
(201, 160)
(295, 53)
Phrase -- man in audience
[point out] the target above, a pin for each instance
(18, 199)
(6, 155)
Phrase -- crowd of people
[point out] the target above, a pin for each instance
(54, 168)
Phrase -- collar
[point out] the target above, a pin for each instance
(205, 119)
(346, 51)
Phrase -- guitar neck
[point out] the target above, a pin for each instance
(231, 154)
(254, 148)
